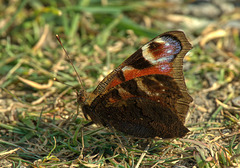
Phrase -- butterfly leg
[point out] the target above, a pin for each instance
(85, 125)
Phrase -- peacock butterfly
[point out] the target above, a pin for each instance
(145, 96)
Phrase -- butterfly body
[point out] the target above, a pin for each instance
(146, 95)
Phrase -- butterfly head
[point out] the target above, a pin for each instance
(81, 96)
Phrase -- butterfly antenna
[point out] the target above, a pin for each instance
(70, 61)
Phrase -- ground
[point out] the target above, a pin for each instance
(40, 119)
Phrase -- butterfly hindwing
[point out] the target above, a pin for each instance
(129, 108)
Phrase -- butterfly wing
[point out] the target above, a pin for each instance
(143, 107)
(146, 95)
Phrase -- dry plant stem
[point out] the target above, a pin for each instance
(231, 117)
(220, 107)
(35, 84)
(143, 155)
(123, 147)
(41, 99)
(227, 107)
(42, 39)
(81, 153)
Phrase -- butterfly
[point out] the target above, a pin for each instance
(145, 96)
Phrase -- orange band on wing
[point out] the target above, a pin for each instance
(163, 69)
